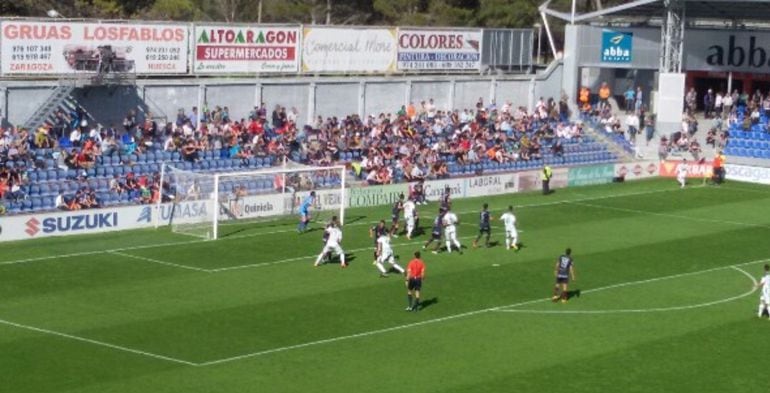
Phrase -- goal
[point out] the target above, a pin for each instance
(212, 205)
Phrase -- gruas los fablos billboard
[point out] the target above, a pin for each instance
(246, 49)
(39, 47)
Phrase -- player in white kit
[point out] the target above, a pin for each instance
(385, 254)
(511, 234)
(333, 244)
(450, 232)
(764, 295)
(681, 173)
(409, 214)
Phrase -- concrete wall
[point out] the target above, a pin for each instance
(311, 96)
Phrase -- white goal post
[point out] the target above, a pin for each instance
(200, 204)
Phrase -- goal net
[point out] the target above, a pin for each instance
(215, 205)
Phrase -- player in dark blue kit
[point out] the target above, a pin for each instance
(564, 270)
(304, 212)
(445, 201)
(375, 232)
(484, 227)
(438, 229)
(395, 215)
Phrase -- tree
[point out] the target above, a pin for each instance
(501, 13)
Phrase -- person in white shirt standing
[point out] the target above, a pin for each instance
(410, 210)
(450, 232)
(332, 244)
(511, 234)
(681, 173)
(385, 254)
(764, 296)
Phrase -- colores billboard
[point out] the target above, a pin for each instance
(439, 49)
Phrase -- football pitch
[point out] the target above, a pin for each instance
(663, 302)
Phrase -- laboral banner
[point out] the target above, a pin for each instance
(30, 47)
(745, 173)
(251, 49)
(593, 174)
(348, 50)
(637, 170)
(504, 183)
(439, 49)
(694, 169)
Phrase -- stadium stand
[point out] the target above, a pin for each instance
(68, 164)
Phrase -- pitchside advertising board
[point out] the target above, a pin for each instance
(745, 173)
(29, 47)
(246, 49)
(34, 226)
(423, 50)
(694, 169)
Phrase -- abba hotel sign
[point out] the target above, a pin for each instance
(725, 50)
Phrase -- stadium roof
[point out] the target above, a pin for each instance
(736, 11)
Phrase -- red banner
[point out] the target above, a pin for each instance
(694, 169)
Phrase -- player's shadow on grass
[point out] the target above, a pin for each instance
(575, 293)
(350, 220)
(428, 302)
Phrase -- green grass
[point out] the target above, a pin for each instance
(664, 305)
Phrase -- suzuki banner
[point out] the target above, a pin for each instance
(439, 49)
(31, 47)
(246, 49)
(694, 169)
(348, 50)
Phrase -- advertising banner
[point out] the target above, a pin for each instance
(532, 180)
(587, 175)
(439, 49)
(694, 169)
(617, 46)
(725, 50)
(637, 170)
(504, 183)
(376, 195)
(348, 50)
(250, 49)
(745, 173)
(30, 47)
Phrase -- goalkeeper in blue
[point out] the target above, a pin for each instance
(304, 212)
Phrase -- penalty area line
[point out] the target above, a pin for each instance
(457, 316)
(97, 342)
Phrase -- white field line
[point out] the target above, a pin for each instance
(151, 260)
(645, 310)
(96, 342)
(451, 317)
(670, 215)
(351, 336)
(188, 242)
(310, 258)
